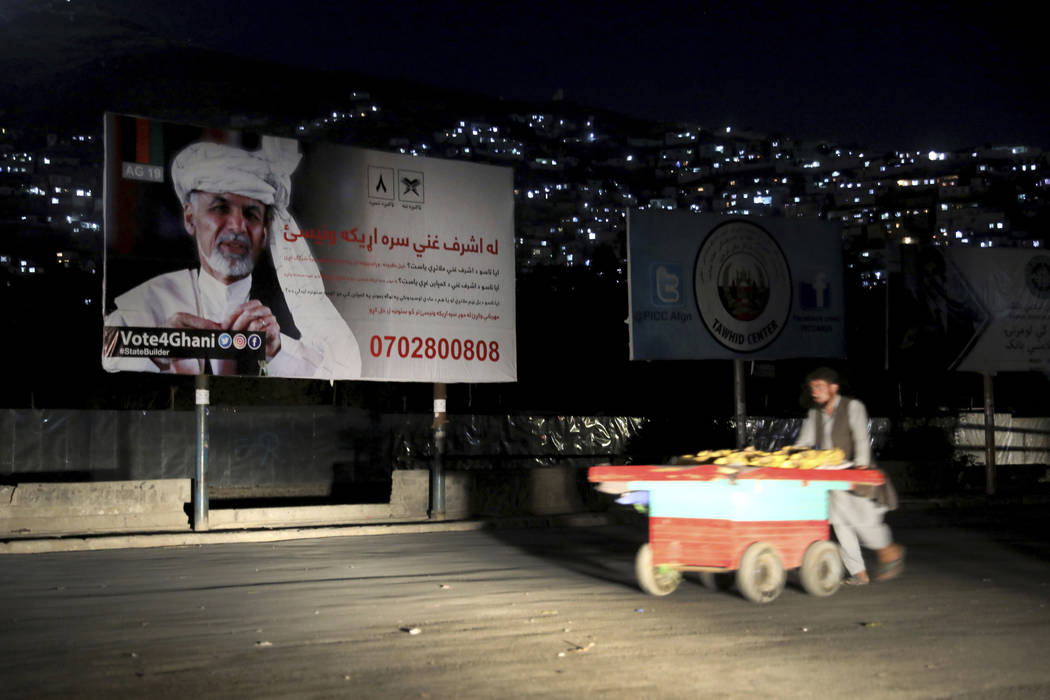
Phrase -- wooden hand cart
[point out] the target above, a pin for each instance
(757, 522)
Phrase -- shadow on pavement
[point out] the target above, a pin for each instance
(1017, 523)
(605, 552)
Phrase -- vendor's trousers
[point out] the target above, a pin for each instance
(857, 521)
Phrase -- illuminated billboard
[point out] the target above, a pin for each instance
(235, 253)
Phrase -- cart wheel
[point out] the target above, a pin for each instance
(761, 575)
(715, 581)
(821, 570)
(654, 580)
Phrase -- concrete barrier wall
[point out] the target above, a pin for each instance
(409, 499)
(155, 505)
(163, 505)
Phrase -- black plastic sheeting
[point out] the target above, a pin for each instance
(246, 446)
(481, 441)
(273, 446)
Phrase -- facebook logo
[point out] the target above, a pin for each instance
(815, 294)
(667, 284)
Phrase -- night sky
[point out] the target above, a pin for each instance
(882, 75)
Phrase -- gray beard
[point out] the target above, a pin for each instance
(228, 264)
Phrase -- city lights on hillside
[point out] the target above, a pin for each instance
(577, 176)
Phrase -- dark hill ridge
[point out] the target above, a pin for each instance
(159, 80)
(64, 68)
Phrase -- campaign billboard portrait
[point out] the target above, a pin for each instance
(971, 309)
(234, 253)
(703, 286)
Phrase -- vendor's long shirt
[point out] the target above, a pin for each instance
(857, 415)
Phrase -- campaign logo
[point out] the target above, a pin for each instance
(410, 186)
(255, 341)
(666, 284)
(743, 287)
(239, 341)
(225, 341)
(381, 182)
(1037, 276)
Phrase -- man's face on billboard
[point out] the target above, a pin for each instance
(230, 231)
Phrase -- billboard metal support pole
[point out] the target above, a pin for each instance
(741, 408)
(200, 492)
(989, 435)
(437, 472)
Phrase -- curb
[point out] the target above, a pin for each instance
(83, 543)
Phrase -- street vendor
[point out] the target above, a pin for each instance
(857, 517)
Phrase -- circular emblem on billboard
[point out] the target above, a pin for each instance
(742, 284)
(225, 340)
(239, 341)
(1037, 276)
(255, 341)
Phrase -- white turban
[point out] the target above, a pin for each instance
(266, 176)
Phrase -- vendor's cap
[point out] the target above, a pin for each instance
(264, 175)
(826, 374)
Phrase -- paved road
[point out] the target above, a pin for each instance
(519, 614)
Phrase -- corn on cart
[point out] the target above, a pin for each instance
(758, 522)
